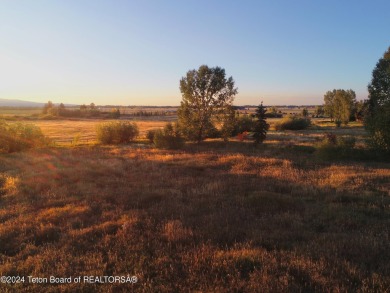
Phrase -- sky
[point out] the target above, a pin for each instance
(136, 52)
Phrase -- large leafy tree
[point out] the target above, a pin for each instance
(206, 94)
(377, 120)
(339, 104)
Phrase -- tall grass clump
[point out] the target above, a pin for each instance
(19, 136)
(168, 138)
(293, 123)
(116, 132)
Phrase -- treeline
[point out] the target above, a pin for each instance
(142, 113)
(91, 111)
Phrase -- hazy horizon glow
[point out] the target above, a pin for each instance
(135, 52)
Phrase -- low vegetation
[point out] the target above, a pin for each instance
(168, 138)
(293, 123)
(116, 132)
(212, 217)
(19, 136)
(336, 147)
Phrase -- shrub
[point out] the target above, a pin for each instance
(293, 123)
(150, 134)
(243, 123)
(116, 132)
(212, 132)
(168, 138)
(20, 136)
(333, 147)
(115, 114)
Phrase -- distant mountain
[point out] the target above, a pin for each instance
(19, 103)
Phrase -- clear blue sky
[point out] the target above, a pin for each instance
(135, 52)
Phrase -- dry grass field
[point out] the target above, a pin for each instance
(83, 131)
(6, 112)
(212, 217)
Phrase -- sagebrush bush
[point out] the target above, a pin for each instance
(168, 138)
(116, 132)
(20, 136)
(293, 123)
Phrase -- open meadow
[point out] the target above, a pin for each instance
(211, 217)
(194, 146)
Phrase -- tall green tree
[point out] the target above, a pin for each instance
(206, 93)
(261, 126)
(338, 105)
(377, 120)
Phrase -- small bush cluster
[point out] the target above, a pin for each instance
(20, 136)
(116, 132)
(334, 147)
(150, 134)
(293, 123)
(167, 138)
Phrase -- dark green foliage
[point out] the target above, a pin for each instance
(20, 136)
(206, 93)
(116, 132)
(377, 120)
(243, 123)
(273, 113)
(213, 132)
(293, 123)
(168, 138)
(360, 110)
(261, 126)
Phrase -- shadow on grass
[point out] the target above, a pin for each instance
(163, 213)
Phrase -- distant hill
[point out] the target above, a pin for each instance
(19, 103)
(27, 104)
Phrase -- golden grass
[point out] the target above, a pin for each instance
(81, 132)
(209, 218)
